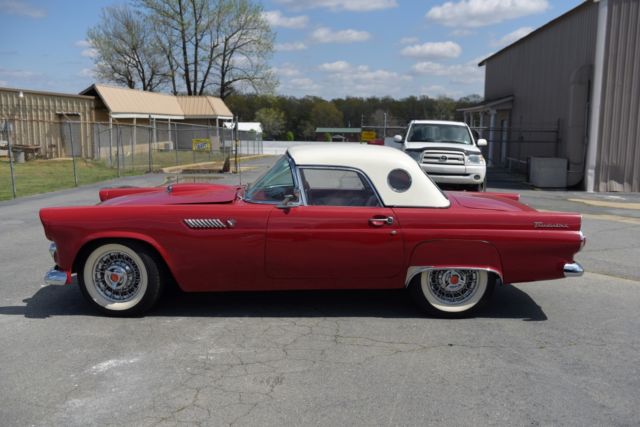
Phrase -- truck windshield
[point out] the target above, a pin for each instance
(427, 132)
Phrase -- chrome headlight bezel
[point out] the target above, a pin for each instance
(474, 159)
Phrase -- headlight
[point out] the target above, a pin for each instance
(475, 159)
(415, 154)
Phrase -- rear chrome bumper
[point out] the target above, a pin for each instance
(56, 277)
(573, 270)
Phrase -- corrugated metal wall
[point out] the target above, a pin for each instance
(539, 71)
(35, 121)
(618, 164)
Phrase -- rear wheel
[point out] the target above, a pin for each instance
(452, 292)
(121, 279)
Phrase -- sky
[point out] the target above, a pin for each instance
(326, 48)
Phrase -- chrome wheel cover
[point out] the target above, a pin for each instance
(116, 276)
(453, 287)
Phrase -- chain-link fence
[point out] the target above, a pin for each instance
(71, 152)
(513, 147)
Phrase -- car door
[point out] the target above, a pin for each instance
(340, 232)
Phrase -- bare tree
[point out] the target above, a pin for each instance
(213, 45)
(126, 50)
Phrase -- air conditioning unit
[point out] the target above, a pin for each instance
(548, 172)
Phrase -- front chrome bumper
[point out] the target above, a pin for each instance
(56, 277)
(573, 270)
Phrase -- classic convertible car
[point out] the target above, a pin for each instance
(336, 216)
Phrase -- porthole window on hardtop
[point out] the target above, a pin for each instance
(399, 180)
(337, 187)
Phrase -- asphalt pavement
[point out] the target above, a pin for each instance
(561, 352)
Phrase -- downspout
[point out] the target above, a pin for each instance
(598, 77)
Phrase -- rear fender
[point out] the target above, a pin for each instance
(454, 254)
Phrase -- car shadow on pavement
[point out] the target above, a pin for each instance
(508, 302)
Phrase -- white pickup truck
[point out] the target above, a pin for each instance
(447, 152)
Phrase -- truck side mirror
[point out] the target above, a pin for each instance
(482, 142)
(397, 138)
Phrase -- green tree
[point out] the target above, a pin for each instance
(326, 114)
(125, 50)
(220, 46)
(272, 121)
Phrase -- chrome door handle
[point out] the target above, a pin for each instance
(379, 222)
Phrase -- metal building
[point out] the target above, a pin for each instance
(37, 120)
(569, 90)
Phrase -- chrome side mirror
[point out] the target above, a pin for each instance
(482, 142)
(397, 138)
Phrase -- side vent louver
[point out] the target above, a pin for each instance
(204, 223)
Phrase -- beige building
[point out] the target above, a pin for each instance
(37, 120)
(50, 123)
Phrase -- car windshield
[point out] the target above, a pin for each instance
(274, 185)
(427, 132)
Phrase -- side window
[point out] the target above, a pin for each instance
(337, 187)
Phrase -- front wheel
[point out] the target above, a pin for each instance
(121, 279)
(452, 292)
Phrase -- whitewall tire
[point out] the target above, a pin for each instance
(120, 279)
(452, 292)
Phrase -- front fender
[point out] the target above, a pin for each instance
(454, 253)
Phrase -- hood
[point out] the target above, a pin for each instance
(176, 194)
(448, 146)
(505, 202)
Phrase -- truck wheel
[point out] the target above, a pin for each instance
(121, 279)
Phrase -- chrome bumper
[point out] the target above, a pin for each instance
(55, 277)
(573, 270)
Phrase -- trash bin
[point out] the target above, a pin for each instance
(18, 156)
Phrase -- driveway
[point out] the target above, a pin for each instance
(559, 352)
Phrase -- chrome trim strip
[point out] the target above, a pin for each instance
(415, 270)
(573, 270)
(55, 277)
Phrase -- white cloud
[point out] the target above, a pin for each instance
(87, 72)
(466, 73)
(289, 47)
(82, 43)
(327, 35)
(335, 67)
(339, 5)
(433, 50)
(21, 8)
(480, 13)
(409, 40)
(275, 18)
(286, 70)
(512, 37)
(89, 53)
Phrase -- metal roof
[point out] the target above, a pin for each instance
(130, 103)
(204, 107)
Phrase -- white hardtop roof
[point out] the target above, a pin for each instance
(439, 122)
(376, 162)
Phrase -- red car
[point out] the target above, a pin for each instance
(336, 216)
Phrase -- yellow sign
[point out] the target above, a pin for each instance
(202, 144)
(368, 135)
